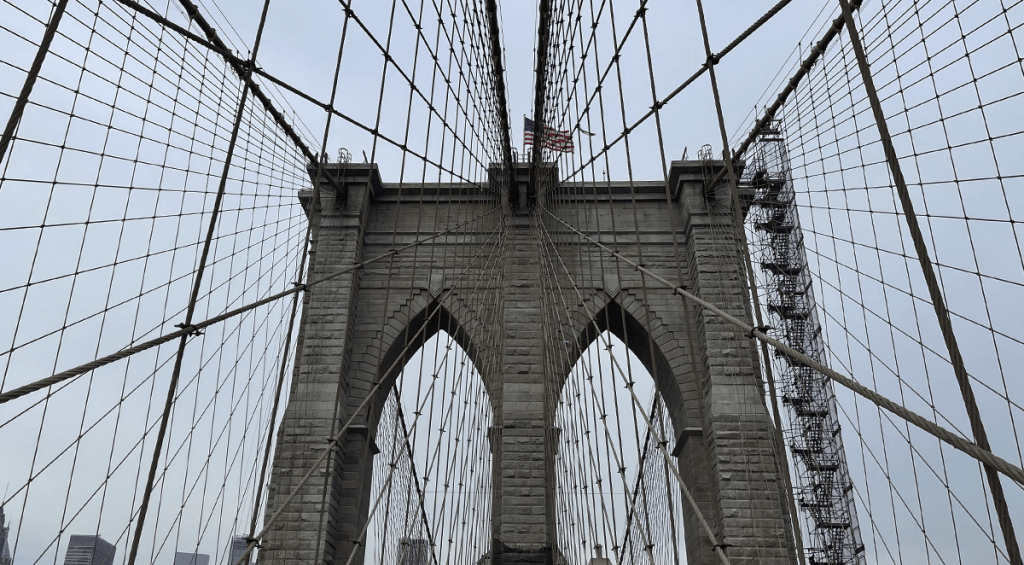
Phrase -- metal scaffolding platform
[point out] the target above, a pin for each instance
(822, 481)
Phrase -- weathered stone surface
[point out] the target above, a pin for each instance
(359, 328)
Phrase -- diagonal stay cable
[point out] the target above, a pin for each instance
(385, 52)
(215, 44)
(956, 441)
(718, 546)
(313, 227)
(33, 74)
(233, 59)
(794, 81)
(195, 327)
(935, 292)
(196, 288)
(196, 16)
(682, 86)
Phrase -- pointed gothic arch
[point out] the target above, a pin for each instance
(413, 325)
(667, 359)
(387, 351)
(429, 367)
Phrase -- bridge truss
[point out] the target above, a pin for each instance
(155, 255)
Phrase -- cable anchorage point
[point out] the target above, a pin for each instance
(190, 329)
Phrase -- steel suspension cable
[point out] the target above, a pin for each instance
(794, 81)
(30, 79)
(747, 267)
(970, 448)
(336, 438)
(192, 329)
(934, 291)
(183, 340)
(706, 528)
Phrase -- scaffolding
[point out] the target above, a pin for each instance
(822, 485)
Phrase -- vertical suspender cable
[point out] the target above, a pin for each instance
(173, 385)
(938, 302)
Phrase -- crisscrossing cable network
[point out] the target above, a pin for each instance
(282, 282)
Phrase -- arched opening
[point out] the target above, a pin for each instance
(677, 386)
(430, 495)
(616, 495)
(410, 341)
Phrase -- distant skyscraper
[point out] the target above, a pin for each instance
(413, 552)
(5, 546)
(89, 550)
(238, 547)
(191, 559)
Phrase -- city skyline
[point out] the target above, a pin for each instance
(79, 550)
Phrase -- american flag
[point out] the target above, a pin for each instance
(554, 140)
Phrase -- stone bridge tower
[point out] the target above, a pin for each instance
(355, 328)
